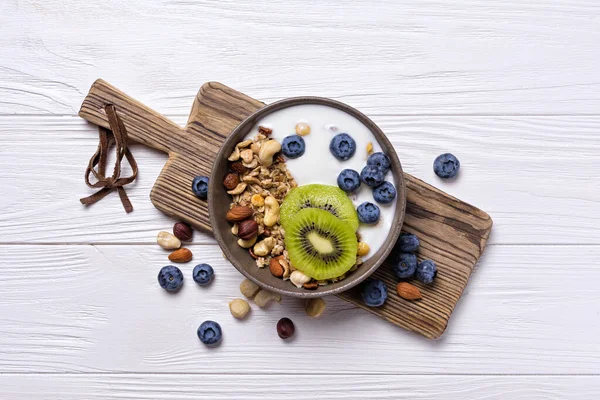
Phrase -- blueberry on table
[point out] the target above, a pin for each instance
(446, 166)
(342, 146)
(426, 271)
(200, 186)
(374, 292)
(293, 146)
(368, 213)
(209, 332)
(170, 278)
(384, 193)
(372, 176)
(403, 264)
(348, 180)
(203, 274)
(379, 160)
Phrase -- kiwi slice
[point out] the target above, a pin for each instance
(325, 197)
(319, 244)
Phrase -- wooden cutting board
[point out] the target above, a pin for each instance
(452, 233)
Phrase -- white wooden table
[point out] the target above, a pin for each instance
(512, 88)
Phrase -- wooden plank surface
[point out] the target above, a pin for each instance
(82, 308)
(261, 387)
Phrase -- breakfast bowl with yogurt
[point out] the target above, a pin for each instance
(307, 197)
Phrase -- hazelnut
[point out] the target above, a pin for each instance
(285, 328)
(238, 213)
(238, 167)
(183, 231)
(231, 181)
(247, 229)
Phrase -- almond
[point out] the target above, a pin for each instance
(408, 291)
(181, 256)
(247, 229)
(238, 213)
(275, 267)
(231, 181)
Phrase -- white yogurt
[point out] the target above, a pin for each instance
(318, 165)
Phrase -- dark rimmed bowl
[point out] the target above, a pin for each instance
(219, 200)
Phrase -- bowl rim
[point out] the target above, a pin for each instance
(397, 171)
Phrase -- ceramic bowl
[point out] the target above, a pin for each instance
(219, 201)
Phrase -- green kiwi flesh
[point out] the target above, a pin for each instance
(325, 197)
(320, 245)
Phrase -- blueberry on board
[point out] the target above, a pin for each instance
(384, 193)
(209, 332)
(379, 160)
(403, 264)
(293, 146)
(200, 186)
(407, 243)
(374, 292)
(372, 176)
(426, 271)
(170, 278)
(342, 146)
(446, 166)
(203, 274)
(348, 180)
(368, 213)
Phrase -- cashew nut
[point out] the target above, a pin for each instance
(244, 144)
(264, 247)
(267, 151)
(271, 211)
(246, 155)
(286, 268)
(298, 278)
(264, 296)
(246, 244)
(234, 229)
(238, 189)
(235, 155)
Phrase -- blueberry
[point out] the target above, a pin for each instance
(403, 264)
(368, 213)
(200, 186)
(348, 180)
(407, 243)
(203, 274)
(342, 146)
(426, 271)
(372, 176)
(374, 292)
(170, 278)
(384, 193)
(209, 332)
(379, 160)
(446, 166)
(293, 146)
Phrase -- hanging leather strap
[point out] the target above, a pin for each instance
(116, 135)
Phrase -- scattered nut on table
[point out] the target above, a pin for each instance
(168, 241)
(239, 308)
(314, 307)
(263, 297)
(249, 288)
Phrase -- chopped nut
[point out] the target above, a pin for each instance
(314, 307)
(246, 155)
(311, 285)
(239, 308)
(244, 144)
(249, 288)
(238, 189)
(302, 128)
(363, 249)
(369, 148)
(235, 155)
(264, 130)
(255, 148)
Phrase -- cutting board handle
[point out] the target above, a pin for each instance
(143, 124)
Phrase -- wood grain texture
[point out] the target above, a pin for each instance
(453, 233)
(543, 200)
(297, 387)
(432, 57)
(70, 308)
